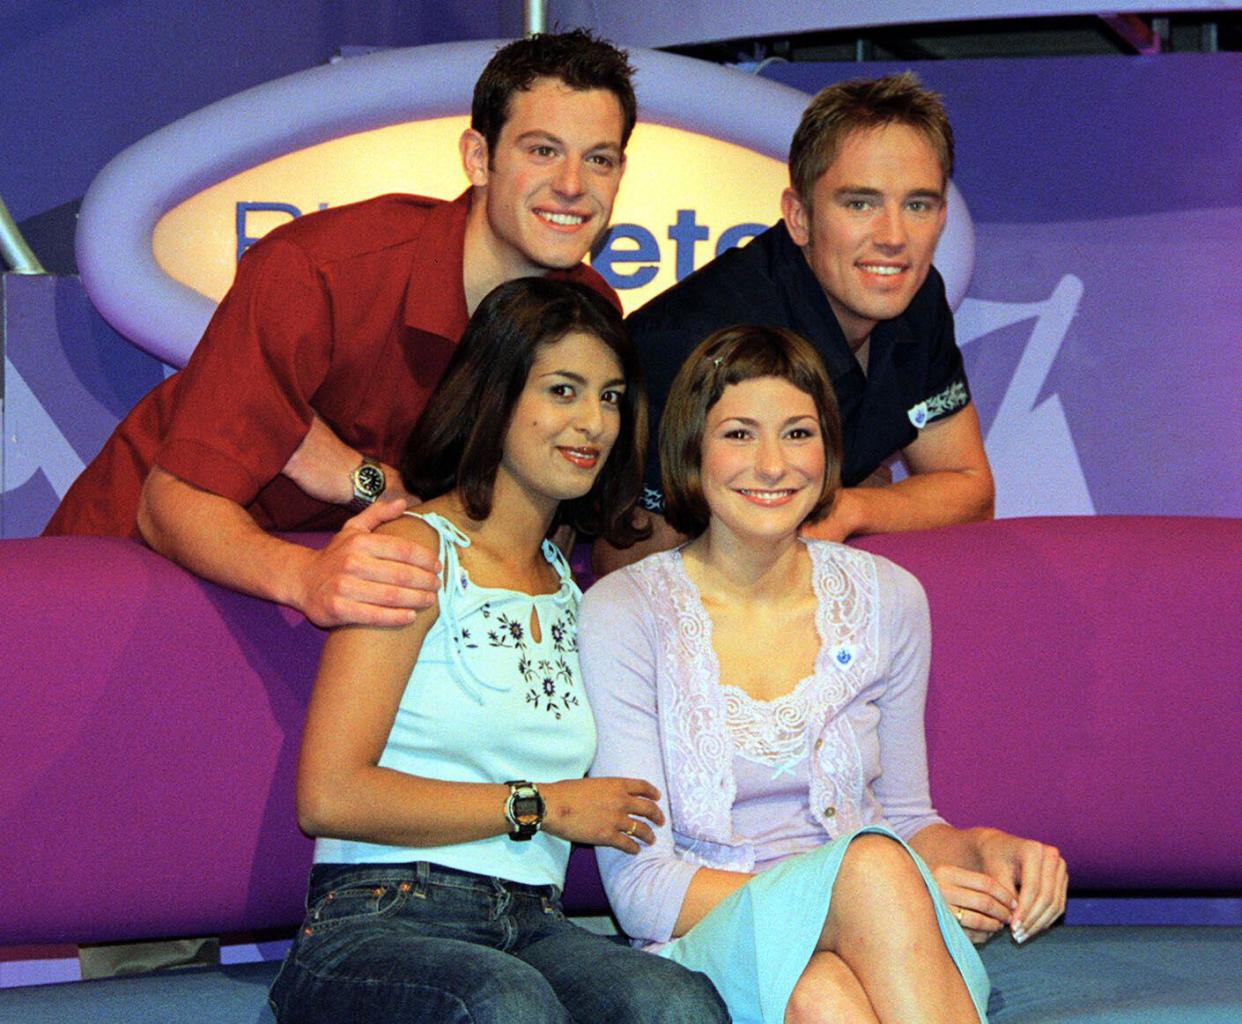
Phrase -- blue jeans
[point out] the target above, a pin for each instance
(406, 943)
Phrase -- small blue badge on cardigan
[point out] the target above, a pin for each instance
(918, 415)
(842, 655)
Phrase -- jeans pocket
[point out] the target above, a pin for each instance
(355, 902)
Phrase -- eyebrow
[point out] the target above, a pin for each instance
(577, 378)
(863, 190)
(539, 135)
(748, 421)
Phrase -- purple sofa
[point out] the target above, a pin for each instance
(1085, 690)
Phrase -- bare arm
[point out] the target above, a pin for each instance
(950, 482)
(342, 791)
(321, 465)
(360, 577)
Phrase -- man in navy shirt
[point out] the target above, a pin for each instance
(849, 267)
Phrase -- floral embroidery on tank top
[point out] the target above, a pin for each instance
(550, 679)
(548, 666)
(696, 717)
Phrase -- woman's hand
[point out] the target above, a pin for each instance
(981, 904)
(602, 812)
(1035, 871)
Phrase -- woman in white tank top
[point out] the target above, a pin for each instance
(442, 763)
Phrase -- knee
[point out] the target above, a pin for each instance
(518, 996)
(676, 996)
(881, 866)
(691, 998)
(879, 896)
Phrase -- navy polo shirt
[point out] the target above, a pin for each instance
(914, 372)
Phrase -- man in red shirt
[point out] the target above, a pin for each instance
(293, 409)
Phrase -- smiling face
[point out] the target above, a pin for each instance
(565, 422)
(763, 461)
(544, 194)
(875, 217)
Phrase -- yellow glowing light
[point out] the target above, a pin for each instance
(668, 170)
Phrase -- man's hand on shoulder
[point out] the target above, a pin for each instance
(364, 577)
(361, 577)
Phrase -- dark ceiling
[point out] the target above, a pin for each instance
(1111, 34)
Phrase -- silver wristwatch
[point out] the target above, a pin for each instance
(369, 482)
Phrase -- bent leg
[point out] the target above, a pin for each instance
(597, 979)
(882, 924)
(390, 974)
(828, 992)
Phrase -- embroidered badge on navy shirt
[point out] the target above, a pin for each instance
(949, 400)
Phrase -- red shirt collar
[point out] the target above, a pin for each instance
(435, 301)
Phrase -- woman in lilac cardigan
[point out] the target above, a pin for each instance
(773, 689)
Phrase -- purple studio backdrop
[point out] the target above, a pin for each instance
(1101, 328)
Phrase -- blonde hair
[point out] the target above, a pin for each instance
(861, 104)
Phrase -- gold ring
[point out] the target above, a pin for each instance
(958, 912)
(631, 830)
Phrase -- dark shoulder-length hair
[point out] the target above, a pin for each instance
(459, 439)
(726, 357)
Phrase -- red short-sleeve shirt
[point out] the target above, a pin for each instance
(351, 313)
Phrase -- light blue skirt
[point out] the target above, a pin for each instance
(756, 943)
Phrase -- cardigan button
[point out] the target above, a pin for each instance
(819, 745)
(830, 812)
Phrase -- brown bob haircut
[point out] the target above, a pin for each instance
(577, 58)
(726, 357)
(459, 439)
(863, 104)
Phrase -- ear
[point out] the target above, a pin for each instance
(797, 217)
(474, 157)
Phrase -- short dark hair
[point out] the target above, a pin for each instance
(726, 357)
(839, 110)
(577, 58)
(458, 442)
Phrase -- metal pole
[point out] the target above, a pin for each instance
(534, 16)
(1209, 37)
(13, 248)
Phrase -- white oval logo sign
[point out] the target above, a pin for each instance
(163, 225)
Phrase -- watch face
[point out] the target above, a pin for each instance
(526, 805)
(369, 480)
